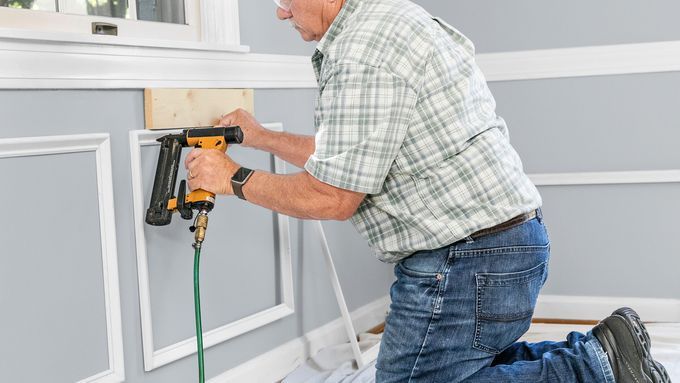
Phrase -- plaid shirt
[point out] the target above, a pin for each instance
(404, 115)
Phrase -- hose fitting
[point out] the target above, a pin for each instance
(201, 227)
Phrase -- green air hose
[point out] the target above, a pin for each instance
(197, 309)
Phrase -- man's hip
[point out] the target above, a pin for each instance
(455, 308)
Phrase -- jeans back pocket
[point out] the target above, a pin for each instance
(505, 305)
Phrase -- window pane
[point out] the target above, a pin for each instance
(166, 11)
(43, 5)
(108, 8)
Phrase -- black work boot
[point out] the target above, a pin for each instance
(624, 338)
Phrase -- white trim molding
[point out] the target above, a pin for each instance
(156, 358)
(42, 63)
(581, 61)
(57, 61)
(274, 365)
(605, 178)
(101, 146)
(596, 308)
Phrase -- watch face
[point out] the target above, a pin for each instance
(241, 174)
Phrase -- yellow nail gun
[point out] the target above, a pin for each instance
(163, 202)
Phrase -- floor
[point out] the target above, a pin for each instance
(334, 364)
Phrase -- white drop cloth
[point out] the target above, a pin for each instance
(335, 364)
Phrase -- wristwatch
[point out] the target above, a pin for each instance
(239, 179)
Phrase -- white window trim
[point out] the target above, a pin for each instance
(214, 24)
(51, 60)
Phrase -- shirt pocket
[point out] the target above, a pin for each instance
(505, 305)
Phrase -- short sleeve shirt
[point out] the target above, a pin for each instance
(405, 116)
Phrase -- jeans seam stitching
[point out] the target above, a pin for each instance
(422, 347)
(500, 250)
(435, 314)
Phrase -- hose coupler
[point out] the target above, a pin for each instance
(201, 227)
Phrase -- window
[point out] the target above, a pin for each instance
(176, 20)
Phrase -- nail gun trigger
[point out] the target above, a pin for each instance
(182, 207)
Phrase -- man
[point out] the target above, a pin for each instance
(409, 147)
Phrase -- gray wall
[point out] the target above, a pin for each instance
(499, 25)
(264, 33)
(609, 240)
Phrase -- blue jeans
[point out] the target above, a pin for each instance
(457, 313)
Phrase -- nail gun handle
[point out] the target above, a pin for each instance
(164, 182)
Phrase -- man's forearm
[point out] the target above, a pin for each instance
(294, 195)
(292, 148)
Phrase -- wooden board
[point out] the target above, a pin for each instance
(184, 108)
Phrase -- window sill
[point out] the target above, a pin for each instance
(35, 60)
(76, 38)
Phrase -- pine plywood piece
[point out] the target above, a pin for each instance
(182, 108)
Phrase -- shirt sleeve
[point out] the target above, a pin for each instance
(362, 116)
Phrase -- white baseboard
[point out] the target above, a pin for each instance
(279, 362)
(596, 308)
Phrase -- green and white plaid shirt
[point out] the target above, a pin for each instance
(404, 115)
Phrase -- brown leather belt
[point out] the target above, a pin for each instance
(520, 219)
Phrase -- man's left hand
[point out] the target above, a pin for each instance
(210, 170)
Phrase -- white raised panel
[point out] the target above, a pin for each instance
(155, 358)
(100, 144)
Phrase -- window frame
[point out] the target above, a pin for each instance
(201, 17)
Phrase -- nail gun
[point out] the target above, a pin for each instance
(163, 202)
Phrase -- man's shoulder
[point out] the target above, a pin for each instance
(380, 31)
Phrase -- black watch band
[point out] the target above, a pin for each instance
(239, 179)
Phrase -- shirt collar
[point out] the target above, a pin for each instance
(337, 26)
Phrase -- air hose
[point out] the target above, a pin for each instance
(197, 309)
(201, 225)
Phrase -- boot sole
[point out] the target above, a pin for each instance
(652, 371)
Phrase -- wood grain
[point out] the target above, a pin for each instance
(183, 108)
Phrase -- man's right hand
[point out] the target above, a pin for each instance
(253, 131)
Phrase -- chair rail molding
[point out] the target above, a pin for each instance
(605, 178)
(601, 60)
(156, 358)
(41, 61)
(100, 144)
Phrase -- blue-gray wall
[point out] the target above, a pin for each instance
(608, 240)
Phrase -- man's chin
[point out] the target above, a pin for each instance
(305, 36)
